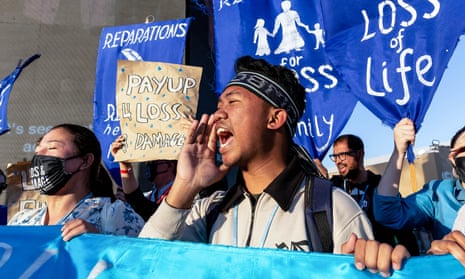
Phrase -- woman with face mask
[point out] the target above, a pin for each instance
(66, 169)
(435, 206)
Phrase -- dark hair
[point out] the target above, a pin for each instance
(85, 140)
(353, 142)
(285, 77)
(456, 136)
(3, 184)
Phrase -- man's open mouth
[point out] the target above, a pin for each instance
(224, 136)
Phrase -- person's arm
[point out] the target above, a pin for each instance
(143, 206)
(181, 224)
(404, 135)
(349, 219)
(196, 167)
(196, 170)
(128, 179)
(389, 208)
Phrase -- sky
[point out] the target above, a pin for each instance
(444, 117)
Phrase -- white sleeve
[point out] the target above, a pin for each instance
(459, 224)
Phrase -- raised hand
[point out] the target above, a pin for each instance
(118, 144)
(404, 134)
(197, 168)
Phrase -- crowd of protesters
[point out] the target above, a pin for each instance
(252, 130)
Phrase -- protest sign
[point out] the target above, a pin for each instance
(156, 102)
(391, 53)
(162, 41)
(290, 34)
(21, 193)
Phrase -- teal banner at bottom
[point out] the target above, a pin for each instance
(39, 252)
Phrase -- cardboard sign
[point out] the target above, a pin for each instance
(155, 102)
(21, 194)
(154, 41)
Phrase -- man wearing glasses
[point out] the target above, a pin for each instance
(360, 183)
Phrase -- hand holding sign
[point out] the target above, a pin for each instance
(153, 41)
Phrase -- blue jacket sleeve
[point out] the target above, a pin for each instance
(399, 213)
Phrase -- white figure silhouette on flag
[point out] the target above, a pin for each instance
(260, 38)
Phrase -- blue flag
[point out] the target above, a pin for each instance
(5, 89)
(291, 34)
(393, 54)
(155, 41)
(40, 252)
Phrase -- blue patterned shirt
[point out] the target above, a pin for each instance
(117, 218)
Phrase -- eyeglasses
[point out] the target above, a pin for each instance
(341, 156)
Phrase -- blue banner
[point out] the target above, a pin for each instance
(39, 252)
(6, 84)
(154, 41)
(392, 53)
(291, 34)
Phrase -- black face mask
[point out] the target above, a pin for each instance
(460, 168)
(48, 173)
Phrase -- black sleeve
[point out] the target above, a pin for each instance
(337, 181)
(143, 206)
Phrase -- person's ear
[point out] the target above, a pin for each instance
(277, 118)
(88, 160)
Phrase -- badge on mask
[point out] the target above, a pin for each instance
(48, 173)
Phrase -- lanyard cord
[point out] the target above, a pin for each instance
(362, 199)
(268, 225)
(265, 233)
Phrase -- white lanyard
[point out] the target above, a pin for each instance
(265, 233)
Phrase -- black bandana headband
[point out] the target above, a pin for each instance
(270, 91)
